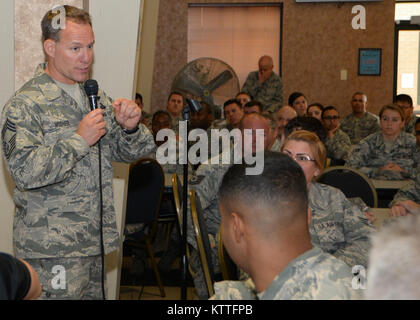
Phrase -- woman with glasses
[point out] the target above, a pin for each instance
(390, 154)
(337, 226)
(338, 143)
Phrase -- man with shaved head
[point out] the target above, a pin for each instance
(265, 231)
(206, 182)
(265, 85)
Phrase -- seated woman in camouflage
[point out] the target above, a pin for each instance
(390, 154)
(337, 227)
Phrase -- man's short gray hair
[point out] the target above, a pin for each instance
(394, 261)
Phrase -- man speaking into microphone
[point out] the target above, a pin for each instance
(51, 143)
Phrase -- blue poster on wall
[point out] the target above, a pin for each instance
(369, 62)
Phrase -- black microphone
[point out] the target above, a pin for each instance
(91, 89)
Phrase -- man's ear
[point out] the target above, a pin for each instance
(237, 227)
(49, 47)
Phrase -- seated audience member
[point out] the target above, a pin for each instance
(162, 120)
(405, 102)
(18, 280)
(145, 116)
(390, 154)
(265, 231)
(265, 85)
(202, 119)
(393, 261)
(338, 227)
(233, 113)
(243, 97)
(253, 106)
(360, 123)
(308, 124)
(273, 143)
(174, 107)
(298, 101)
(338, 143)
(283, 116)
(406, 198)
(315, 110)
(206, 182)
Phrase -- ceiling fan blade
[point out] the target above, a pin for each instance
(221, 79)
(186, 83)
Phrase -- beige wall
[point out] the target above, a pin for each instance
(28, 44)
(6, 90)
(318, 42)
(147, 40)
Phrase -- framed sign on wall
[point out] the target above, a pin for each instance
(369, 62)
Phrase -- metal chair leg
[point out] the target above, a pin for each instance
(155, 268)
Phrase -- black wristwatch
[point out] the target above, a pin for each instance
(126, 131)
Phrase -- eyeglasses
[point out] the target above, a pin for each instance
(331, 117)
(299, 157)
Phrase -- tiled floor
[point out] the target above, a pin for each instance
(152, 293)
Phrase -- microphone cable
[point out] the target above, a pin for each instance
(91, 89)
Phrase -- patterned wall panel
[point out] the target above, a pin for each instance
(28, 46)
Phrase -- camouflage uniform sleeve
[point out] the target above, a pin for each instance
(234, 290)
(339, 146)
(409, 192)
(205, 183)
(359, 157)
(357, 231)
(126, 147)
(250, 84)
(32, 162)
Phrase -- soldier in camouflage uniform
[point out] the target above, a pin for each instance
(50, 144)
(174, 107)
(275, 203)
(206, 182)
(391, 154)
(337, 227)
(405, 102)
(361, 123)
(264, 85)
(337, 143)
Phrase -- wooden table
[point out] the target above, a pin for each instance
(390, 184)
(382, 216)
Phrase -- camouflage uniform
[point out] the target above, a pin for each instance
(358, 129)
(206, 183)
(269, 93)
(276, 146)
(337, 226)
(339, 146)
(314, 275)
(411, 125)
(410, 192)
(56, 172)
(370, 155)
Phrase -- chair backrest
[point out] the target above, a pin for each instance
(351, 182)
(177, 191)
(145, 188)
(229, 268)
(203, 242)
